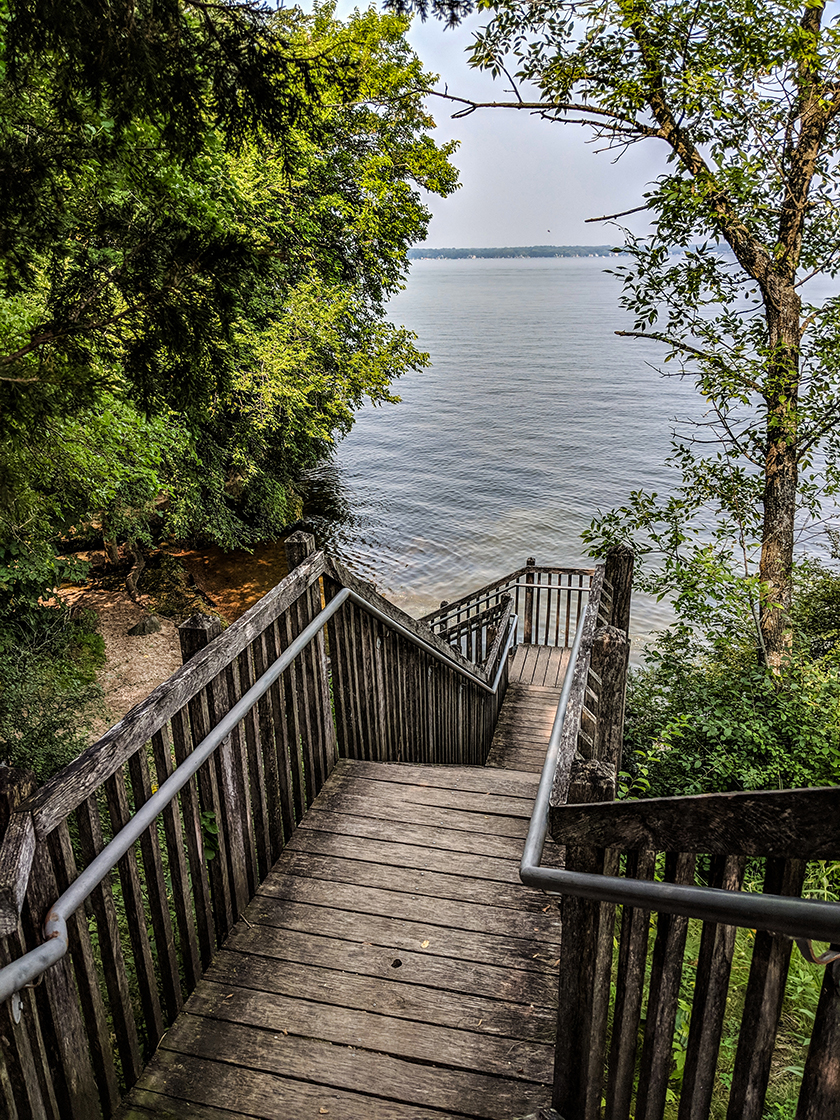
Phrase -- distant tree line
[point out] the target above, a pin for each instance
(511, 251)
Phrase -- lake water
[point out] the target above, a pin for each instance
(532, 417)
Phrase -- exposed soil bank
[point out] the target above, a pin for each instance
(234, 581)
(225, 583)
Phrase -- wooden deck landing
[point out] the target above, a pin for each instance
(527, 715)
(392, 965)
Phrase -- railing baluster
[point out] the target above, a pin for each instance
(191, 810)
(714, 964)
(87, 978)
(819, 1096)
(195, 635)
(135, 913)
(178, 873)
(664, 991)
(156, 896)
(629, 989)
(113, 962)
(254, 772)
(763, 1001)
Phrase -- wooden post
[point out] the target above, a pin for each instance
(196, 633)
(26, 1085)
(619, 572)
(585, 961)
(819, 1096)
(313, 681)
(610, 656)
(529, 602)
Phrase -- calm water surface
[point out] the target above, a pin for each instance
(532, 417)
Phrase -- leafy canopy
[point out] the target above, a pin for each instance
(200, 320)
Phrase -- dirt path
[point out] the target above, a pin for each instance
(134, 665)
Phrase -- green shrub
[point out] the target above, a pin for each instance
(48, 691)
(702, 719)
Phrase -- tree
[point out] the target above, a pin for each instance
(197, 321)
(744, 100)
(118, 246)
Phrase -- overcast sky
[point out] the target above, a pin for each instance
(524, 181)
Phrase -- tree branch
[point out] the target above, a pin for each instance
(620, 214)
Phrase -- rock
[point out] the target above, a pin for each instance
(543, 1114)
(148, 625)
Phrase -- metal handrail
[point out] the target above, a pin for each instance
(800, 918)
(26, 969)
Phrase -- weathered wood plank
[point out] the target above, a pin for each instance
(511, 760)
(472, 779)
(522, 950)
(426, 836)
(429, 963)
(789, 824)
(391, 807)
(141, 1104)
(422, 884)
(463, 800)
(60, 795)
(446, 912)
(391, 853)
(500, 1058)
(395, 992)
(266, 1095)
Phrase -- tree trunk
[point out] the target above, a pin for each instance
(780, 470)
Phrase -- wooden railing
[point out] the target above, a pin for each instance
(548, 602)
(395, 701)
(621, 968)
(71, 1045)
(608, 1051)
(475, 635)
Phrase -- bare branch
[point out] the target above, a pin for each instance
(620, 214)
(546, 107)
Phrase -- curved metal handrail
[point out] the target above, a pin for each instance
(31, 965)
(800, 918)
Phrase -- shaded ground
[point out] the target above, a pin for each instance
(234, 581)
(133, 666)
(175, 584)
